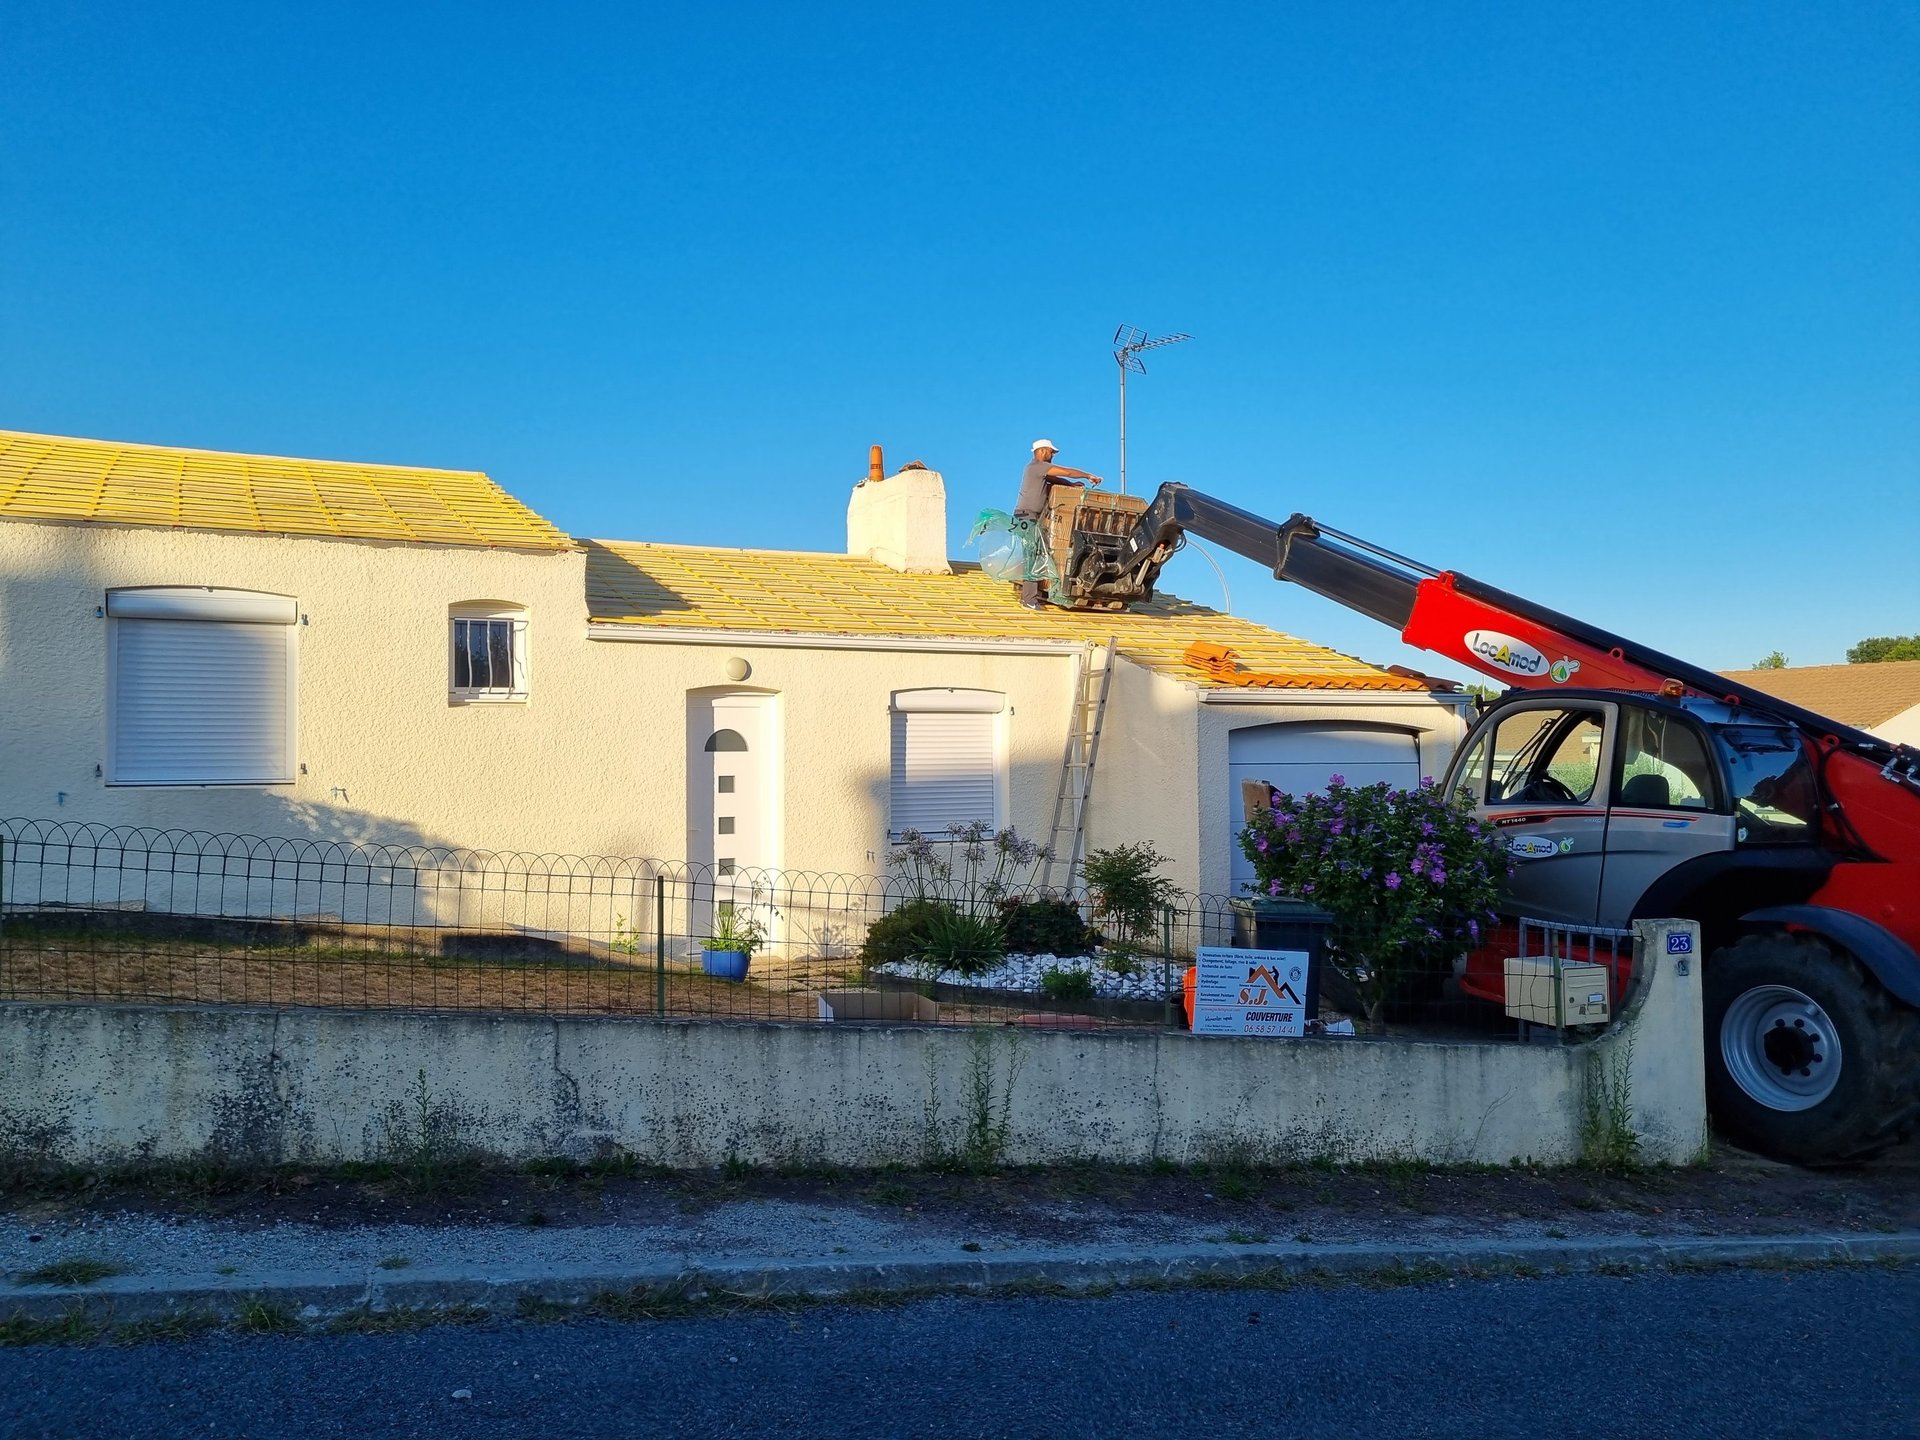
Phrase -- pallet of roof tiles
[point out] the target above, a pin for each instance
(1073, 521)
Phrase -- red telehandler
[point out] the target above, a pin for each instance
(1632, 785)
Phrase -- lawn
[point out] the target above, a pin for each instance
(67, 962)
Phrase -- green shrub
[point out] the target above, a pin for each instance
(957, 940)
(902, 934)
(1411, 876)
(1044, 926)
(1058, 984)
(1128, 891)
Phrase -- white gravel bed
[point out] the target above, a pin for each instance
(1023, 972)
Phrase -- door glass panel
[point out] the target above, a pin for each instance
(1546, 757)
(1663, 764)
(725, 825)
(1472, 774)
(726, 784)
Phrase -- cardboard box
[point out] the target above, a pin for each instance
(897, 1006)
(1546, 991)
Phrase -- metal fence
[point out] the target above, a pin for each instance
(91, 912)
(101, 913)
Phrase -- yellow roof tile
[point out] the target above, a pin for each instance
(682, 586)
(51, 477)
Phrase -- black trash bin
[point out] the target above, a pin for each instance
(1286, 925)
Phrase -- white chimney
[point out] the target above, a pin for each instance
(900, 520)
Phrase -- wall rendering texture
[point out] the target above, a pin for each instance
(95, 1085)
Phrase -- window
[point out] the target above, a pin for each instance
(1775, 793)
(1663, 763)
(488, 649)
(1471, 776)
(1546, 757)
(199, 687)
(948, 760)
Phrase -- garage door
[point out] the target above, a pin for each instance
(1299, 758)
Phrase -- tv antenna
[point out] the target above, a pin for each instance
(1128, 342)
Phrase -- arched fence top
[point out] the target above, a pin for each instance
(131, 847)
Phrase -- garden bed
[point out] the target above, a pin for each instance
(1147, 978)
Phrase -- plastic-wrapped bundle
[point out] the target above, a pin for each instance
(1003, 550)
(1012, 549)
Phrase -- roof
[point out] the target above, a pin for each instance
(808, 593)
(1859, 695)
(50, 477)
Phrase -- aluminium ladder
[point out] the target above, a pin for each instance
(1067, 842)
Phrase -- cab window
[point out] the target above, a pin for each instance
(1776, 798)
(1470, 776)
(1663, 763)
(1546, 757)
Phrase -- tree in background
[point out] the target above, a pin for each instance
(1773, 660)
(1885, 647)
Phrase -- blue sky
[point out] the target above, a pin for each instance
(1618, 307)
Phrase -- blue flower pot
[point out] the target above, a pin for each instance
(724, 964)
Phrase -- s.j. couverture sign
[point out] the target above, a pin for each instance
(1250, 992)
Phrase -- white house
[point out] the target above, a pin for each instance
(220, 642)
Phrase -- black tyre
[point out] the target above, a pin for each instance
(1808, 1058)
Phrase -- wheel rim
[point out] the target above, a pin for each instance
(1781, 1048)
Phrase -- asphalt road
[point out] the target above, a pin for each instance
(1829, 1354)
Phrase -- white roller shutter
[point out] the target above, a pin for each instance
(943, 771)
(201, 701)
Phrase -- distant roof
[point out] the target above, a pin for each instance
(1859, 695)
(811, 593)
(51, 477)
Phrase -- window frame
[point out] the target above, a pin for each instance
(1571, 712)
(945, 700)
(492, 612)
(1708, 782)
(201, 605)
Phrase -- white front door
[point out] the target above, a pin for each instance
(732, 801)
(1299, 758)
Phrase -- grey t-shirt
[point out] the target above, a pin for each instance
(1033, 487)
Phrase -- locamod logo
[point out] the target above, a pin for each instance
(1537, 847)
(1516, 657)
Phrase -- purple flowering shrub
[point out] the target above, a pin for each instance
(1410, 876)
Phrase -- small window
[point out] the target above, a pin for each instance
(1546, 757)
(724, 825)
(726, 784)
(488, 653)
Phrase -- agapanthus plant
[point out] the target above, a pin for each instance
(1410, 876)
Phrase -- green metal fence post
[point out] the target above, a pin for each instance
(1166, 959)
(660, 944)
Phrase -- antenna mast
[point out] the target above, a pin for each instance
(1128, 342)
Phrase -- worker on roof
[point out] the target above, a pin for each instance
(1036, 487)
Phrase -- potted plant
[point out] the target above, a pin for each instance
(1410, 877)
(725, 953)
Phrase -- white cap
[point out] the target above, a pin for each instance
(1045, 445)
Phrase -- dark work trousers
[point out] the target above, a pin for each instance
(1032, 592)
